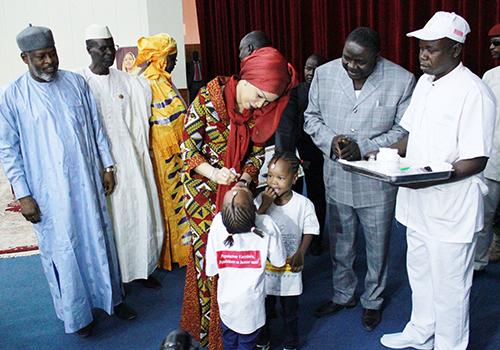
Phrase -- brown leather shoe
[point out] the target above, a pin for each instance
(331, 308)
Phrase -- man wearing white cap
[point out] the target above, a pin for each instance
(56, 156)
(450, 119)
(124, 102)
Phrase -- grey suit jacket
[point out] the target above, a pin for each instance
(372, 120)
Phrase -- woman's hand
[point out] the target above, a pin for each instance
(224, 176)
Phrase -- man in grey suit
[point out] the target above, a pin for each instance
(355, 104)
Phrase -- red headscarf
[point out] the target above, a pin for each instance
(268, 70)
(495, 30)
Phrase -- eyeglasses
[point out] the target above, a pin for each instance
(495, 42)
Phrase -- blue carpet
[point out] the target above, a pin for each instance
(28, 321)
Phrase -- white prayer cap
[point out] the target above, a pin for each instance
(97, 31)
(443, 25)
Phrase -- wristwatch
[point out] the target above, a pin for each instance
(109, 169)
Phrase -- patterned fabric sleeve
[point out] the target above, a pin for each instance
(193, 134)
(254, 162)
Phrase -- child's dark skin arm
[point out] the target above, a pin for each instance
(268, 197)
(297, 259)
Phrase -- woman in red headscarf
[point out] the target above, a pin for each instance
(224, 135)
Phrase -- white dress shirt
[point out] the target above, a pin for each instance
(492, 171)
(450, 119)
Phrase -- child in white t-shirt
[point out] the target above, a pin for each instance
(239, 243)
(296, 218)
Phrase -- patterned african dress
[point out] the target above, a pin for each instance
(168, 112)
(206, 131)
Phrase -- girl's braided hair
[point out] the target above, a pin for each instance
(238, 218)
(289, 157)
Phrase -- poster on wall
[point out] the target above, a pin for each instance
(125, 60)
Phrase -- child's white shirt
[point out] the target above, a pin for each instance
(241, 292)
(293, 219)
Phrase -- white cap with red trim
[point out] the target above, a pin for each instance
(443, 25)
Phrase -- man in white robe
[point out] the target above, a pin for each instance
(124, 102)
(56, 156)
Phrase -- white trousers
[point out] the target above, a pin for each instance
(440, 275)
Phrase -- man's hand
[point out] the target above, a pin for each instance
(297, 261)
(369, 154)
(108, 182)
(30, 209)
(336, 144)
(462, 169)
(344, 147)
(350, 150)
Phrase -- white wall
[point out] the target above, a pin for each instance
(165, 16)
(127, 20)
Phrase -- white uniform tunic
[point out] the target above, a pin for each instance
(449, 120)
(492, 170)
(492, 174)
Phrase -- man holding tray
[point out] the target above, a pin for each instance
(450, 119)
(355, 104)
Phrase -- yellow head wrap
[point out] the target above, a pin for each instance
(155, 49)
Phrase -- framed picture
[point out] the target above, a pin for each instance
(125, 60)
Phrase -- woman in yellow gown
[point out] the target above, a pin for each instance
(168, 110)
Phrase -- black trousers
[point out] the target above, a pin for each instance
(289, 312)
(313, 172)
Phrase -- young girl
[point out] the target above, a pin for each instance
(239, 243)
(296, 218)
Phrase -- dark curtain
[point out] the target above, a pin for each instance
(299, 28)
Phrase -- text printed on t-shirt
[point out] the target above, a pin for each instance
(243, 259)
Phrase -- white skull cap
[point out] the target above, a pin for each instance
(97, 31)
